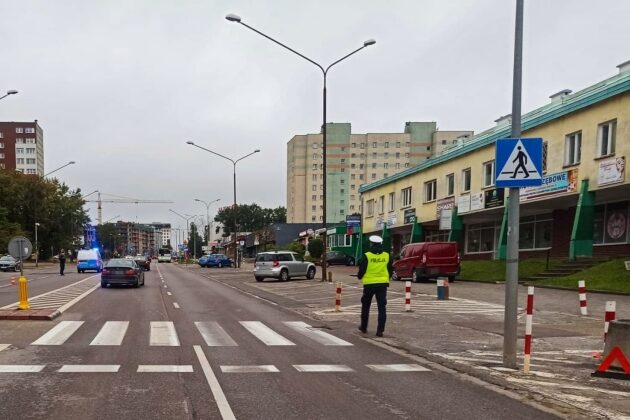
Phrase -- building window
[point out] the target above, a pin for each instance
(315, 145)
(352, 176)
(406, 164)
(362, 145)
(352, 197)
(19, 130)
(352, 187)
(1, 135)
(573, 148)
(361, 166)
(314, 166)
(29, 161)
(488, 174)
(443, 141)
(313, 208)
(370, 208)
(387, 145)
(313, 188)
(29, 130)
(353, 166)
(314, 197)
(385, 175)
(381, 204)
(343, 161)
(315, 155)
(354, 145)
(314, 177)
(407, 144)
(313, 218)
(430, 191)
(343, 149)
(392, 201)
(353, 155)
(386, 155)
(360, 176)
(405, 197)
(31, 171)
(343, 170)
(374, 145)
(407, 155)
(19, 151)
(342, 191)
(342, 181)
(19, 140)
(397, 165)
(321, 166)
(342, 202)
(466, 180)
(362, 156)
(373, 176)
(19, 161)
(397, 155)
(535, 232)
(450, 185)
(606, 138)
(385, 165)
(374, 166)
(1, 145)
(480, 237)
(610, 223)
(1, 155)
(321, 197)
(373, 155)
(398, 145)
(352, 207)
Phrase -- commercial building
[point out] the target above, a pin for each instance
(162, 233)
(352, 160)
(582, 208)
(22, 147)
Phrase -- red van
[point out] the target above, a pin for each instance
(425, 260)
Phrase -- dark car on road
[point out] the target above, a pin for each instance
(122, 271)
(217, 260)
(8, 263)
(339, 258)
(143, 262)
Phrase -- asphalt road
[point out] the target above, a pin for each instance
(211, 363)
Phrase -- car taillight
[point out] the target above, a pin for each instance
(105, 271)
(130, 272)
(459, 258)
(276, 263)
(424, 258)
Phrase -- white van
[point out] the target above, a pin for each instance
(89, 259)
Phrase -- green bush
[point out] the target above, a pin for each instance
(316, 248)
(295, 247)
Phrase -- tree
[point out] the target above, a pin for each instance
(194, 243)
(316, 248)
(108, 237)
(250, 217)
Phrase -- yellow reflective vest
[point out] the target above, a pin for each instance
(376, 271)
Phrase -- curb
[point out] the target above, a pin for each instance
(29, 314)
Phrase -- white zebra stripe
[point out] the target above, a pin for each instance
(317, 335)
(214, 335)
(265, 334)
(163, 333)
(111, 334)
(58, 334)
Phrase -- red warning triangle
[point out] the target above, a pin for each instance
(615, 354)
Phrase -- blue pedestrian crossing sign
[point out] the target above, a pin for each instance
(518, 162)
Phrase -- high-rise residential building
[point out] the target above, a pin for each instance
(162, 232)
(22, 147)
(135, 238)
(352, 160)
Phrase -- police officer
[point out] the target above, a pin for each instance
(62, 262)
(375, 270)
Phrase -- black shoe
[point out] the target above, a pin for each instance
(363, 330)
(379, 333)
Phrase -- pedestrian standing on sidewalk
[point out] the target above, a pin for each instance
(62, 262)
(375, 270)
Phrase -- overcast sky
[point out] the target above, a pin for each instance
(120, 85)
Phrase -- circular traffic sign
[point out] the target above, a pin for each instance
(20, 247)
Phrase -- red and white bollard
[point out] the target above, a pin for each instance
(528, 328)
(611, 307)
(338, 298)
(582, 292)
(407, 296)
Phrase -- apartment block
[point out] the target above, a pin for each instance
(352, 160)
(22, 147)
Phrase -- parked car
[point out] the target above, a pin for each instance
(217, 260)
(122, 271)
(143, 262)
(282, 265)
(202, 261)
(339, 258)
(426, 260)
(89, 259)
(8, 263)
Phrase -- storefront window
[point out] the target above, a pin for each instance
(610, 225)
(480, 237)
(535, 232)
(436, 236)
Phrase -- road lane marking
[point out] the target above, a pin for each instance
(317, 335)
(398, 368)
(58, 334)
(165, 286)
(89, 369)
(169, 293)
(4, 346)
(323, 368)
(250, 369)
(265, 334)
(163, 334)
(217, 392)
(111, 334)
(176, 305)
(165, 368)
(214, 335)
(21, 368)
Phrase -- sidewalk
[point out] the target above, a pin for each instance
(465, 334)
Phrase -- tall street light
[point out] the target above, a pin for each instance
(36, 246)
(72, 162)
(9, 92)
(187, 219)
(234, 162)
(237, 19)
(207, 204)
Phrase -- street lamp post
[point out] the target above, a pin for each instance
(187, 219)
(237, 19)
(9, 92)
(207, 204)
(36, 246)
(72, 162)
(234, 162)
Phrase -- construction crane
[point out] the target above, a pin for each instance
(118, 199)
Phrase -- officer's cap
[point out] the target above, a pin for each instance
(375, 239)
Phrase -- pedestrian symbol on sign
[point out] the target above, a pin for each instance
(518, 162)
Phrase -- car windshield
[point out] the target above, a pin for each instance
(120, 262)
(6, 258)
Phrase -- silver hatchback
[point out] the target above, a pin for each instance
(282, 265)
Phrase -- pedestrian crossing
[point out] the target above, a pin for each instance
(58, 298)
(164, 334)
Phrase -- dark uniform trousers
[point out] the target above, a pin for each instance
(380, 291)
